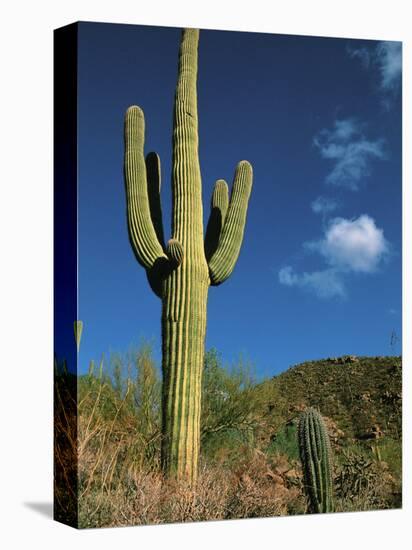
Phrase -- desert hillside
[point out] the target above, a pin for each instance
(363, 395)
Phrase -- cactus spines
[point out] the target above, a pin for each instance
(181, 272)
(316, 457)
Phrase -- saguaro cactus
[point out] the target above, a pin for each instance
(78, 329)
(181, 271)
(315, 455)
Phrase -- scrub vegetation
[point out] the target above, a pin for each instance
(249, 454)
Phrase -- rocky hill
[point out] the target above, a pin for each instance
(363, 395)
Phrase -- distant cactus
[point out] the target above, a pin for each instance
(181, 271)
(91, 368)
(78, 329)
(316, 457)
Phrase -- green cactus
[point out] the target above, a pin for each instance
(316, 457)
(78, 329)
(181, 272)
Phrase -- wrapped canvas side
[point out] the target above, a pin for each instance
(65, 275)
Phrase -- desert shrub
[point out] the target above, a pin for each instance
(285, 442)
(232, 407)
(119, 422)
(148, 498)
(390, 451)
(65, 444)
(363, 483)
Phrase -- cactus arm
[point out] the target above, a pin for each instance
(163, 267)
(153, 190)
(224, 259)
(218, 209)
(142, 233)
(175, 253)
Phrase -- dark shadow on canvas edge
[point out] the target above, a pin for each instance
(43, 508)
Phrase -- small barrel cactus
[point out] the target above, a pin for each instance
(316, 457)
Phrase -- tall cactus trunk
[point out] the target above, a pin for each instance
(181, 272)
(183, 356)
(186, 288)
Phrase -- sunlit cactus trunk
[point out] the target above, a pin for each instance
(181, 272)
(183, 354)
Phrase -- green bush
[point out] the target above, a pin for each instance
(285, 442)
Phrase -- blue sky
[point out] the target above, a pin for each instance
(319, 272)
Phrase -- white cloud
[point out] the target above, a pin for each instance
(325, 284)
(388, 58)
(352, 245)
(362, 53)
(324, 205)
(347, 247)
(287, 276)
(345, 129)
(350, 152)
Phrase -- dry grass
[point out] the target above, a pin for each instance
(147, 498)
(65, 448)
(107, 450)
(120, 482)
